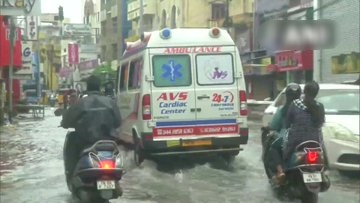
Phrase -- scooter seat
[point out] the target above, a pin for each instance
(102, 145)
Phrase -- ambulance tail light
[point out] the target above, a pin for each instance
(146, 107)
(243, 103)
(215, 32)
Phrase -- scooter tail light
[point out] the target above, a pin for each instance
(312, 157)
(107, 164)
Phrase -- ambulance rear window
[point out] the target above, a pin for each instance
(215, 69)
(171, 70)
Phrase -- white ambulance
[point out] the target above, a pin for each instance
(182, 91)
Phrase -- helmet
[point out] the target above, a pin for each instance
(292, 92)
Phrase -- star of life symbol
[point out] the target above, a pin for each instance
(172, 71)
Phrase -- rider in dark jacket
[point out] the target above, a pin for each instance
(94, 117)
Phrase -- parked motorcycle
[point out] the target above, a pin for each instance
(305, 171)
(97, 174)
(52, 100)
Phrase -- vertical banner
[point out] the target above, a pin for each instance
(5, 46)
(36, 72)
(32, 27)
(26, 58)
(73, 53)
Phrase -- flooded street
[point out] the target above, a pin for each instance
(32, 172)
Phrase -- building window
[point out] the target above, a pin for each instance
(245, 6)
(103, 27)
(217, 11)
(173, 17)
(103, 52)
(163, 19)
(114, 51)
(114, 25)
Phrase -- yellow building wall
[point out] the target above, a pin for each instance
(237, 7)
(189, 13)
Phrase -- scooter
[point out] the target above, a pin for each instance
(304, 172)
(52, 100)
(97, 173)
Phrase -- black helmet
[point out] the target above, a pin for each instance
(292, 92)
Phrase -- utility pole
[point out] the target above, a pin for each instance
(12, 39)
(120, 30)
(141, 23)
(61, 18)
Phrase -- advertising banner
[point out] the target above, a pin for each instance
(5, 46)
(73, 53)
(20, 7)
(32, 27)
(87, 67)
(77, 30)
(346, 63)
(25, 73)
(65, 72)
(294, 60)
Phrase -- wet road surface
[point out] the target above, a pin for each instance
(31, 169)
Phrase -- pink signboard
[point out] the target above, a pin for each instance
(73, 53)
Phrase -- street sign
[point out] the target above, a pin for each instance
(22, 76)
(32, 27)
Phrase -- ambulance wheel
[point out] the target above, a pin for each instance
(138, 153)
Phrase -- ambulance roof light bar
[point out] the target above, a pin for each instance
(215, 32)
(165, 33)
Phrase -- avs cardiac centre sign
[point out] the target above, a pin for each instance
(20, 7)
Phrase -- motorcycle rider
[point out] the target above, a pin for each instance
(94, 117)
(305, 118)
(292, 92)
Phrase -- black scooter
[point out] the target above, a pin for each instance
(97, 173)
(305, 171)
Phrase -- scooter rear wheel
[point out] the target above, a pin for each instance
(309, 197)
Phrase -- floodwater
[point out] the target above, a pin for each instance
(31, 169)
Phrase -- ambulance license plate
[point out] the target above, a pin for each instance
(194, 143)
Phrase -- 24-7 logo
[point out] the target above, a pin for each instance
(226, 97)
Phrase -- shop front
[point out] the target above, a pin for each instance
(293, 66)
(346, 63)
(5, 59)
(259, 81)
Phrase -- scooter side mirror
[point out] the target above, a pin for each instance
(59, 112)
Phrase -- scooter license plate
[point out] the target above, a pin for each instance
(312, 177)
(105, 184)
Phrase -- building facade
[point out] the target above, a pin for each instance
(114, 29)
(341, 63)
(92, 18)
(271, 67)
(158, 14)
